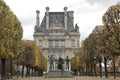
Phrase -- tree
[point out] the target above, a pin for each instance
(98, 38)
(92, 47)
(8, 29)
(28, 54)
(90, 51)
(80, 60)
(34, 57)
(111, 21)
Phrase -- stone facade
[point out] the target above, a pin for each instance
(56, 35)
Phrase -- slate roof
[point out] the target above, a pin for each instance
(59, 17)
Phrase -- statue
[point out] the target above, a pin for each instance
(51, 59)
(67, 63)
(56, 63)
(76, 28)
(60, 63)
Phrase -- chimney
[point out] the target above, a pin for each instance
(47, 17)
(65, 18)
(37, 20)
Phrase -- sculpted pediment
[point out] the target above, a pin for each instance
(56, 25)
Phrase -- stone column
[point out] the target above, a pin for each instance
(65, 66)
(53, 43)
(65, 18)
(59, 43)
(48, 66)
(54, 66)
(45, 45)
(69, 66)
(47, 17)
(67, 42)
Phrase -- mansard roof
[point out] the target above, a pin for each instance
(59, 17)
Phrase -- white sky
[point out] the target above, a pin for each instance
(87, 13)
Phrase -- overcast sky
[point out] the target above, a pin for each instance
(87, 13)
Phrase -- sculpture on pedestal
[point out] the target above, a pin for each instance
(51, 61)
(60, 63)
(67, 62)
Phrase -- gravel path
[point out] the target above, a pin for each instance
(75, 78)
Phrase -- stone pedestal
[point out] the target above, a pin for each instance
(57, 74)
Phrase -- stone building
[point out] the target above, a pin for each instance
(56, 35)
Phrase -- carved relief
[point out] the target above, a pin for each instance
(56, 25)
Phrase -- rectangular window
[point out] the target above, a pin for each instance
(77, 43)
(63, 54)
(50, 44)
(62, 43)
(50, 53)
(56, 44)
(40, 43)
(72, 43)
(56, 54)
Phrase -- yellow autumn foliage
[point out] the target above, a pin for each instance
(10, 32)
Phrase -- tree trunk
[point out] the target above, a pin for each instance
(17, 70)
(3, 69)
(11, 67)
(22, 71)
(38, 73)
(91, 67)
(26, 71)
(114, 66)
(87, 65)
(88, 68)
(42, 72)
(29, 71)
(100, 67)
(32, 71)
(106, 71)
(95, 74)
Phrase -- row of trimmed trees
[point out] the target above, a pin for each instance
(14, 49)
(10, 35)
(32, 59)
(102, 46)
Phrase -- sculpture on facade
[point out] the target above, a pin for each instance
(51, 61)
(76, 28)
(67, 62)
(60, 63)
